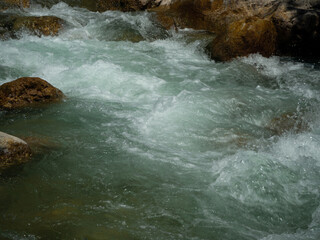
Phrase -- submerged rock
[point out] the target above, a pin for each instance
(40, 144)
(27, 91)
(288, 122)
(13, 151)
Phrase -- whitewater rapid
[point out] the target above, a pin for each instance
(157, 141)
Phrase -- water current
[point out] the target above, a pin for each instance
(157, 141)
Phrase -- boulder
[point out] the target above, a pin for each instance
(27, 91)
(13, 151)
(12, 25)
(44, 25)
(244, 37)
(282, 27)
(5, 4)
(185, 14)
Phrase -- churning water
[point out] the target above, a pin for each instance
(155, 141)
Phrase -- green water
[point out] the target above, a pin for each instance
(155, 141)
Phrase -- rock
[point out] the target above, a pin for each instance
(244, 37)
(27, 91)
(120, 5)
(119, 30)
(13, 151)
(185, 14)
(298, 30)
(288, 122)
(284, 27)
(5, 4)
(44, 25)
(104, 5)
(6, 25)
(11, 25)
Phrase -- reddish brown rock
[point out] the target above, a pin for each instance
(4, 4)
(239, 32)
(244, 37)
(27, 91)
(116, 5)
(120, 5)
(12, 25)
(282, 27)
(45, 25)
(185, 14)
(13, 151)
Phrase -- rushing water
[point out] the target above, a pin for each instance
(155, 141)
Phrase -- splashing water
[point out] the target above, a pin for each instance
(155, 141)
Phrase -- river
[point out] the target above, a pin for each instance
(157, 141)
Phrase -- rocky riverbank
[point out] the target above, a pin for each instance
(243, 27)
(286, 28)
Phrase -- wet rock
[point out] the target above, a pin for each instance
(120, 5)
(5, 4)
(114, 5)
(298, 29)
(12, 25)
(288, 122)
(285, 27)
(45, 25)
(6, 25)
(185, 14)
(104, 5)
(119, 30)
(204, 37)
(13, 151)
(127, 5)
(244, 37)
(27, 91)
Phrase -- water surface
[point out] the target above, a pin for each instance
(155, 140)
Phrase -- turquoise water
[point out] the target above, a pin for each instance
(155, 141)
